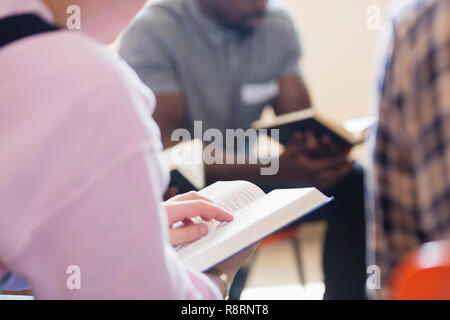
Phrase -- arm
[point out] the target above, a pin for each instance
(154, 67)
(294, 95)
(169, 115)
(99, 192)
(116, 232)
(294, 164)
(392, 197)
(146, 48)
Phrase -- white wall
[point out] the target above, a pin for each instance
(339, 53)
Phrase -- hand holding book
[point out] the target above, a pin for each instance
(181, 209)
(255, 216)
(349, 134)
(308, 161)
(184, 207)
(319, 146)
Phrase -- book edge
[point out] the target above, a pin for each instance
(206, 266)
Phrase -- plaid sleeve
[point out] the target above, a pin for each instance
(409, 201)
(395, 231)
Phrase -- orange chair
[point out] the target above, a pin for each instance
(284, 234)
(423, 275)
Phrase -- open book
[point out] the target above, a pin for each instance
(348, 134)
(256, 216)
(185, 162)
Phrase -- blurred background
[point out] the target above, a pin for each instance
(339, 49)
(339, 53)
(340, 40)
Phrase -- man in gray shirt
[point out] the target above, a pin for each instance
(221, 62)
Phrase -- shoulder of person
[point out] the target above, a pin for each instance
(163, 17)
(84, 80)
(83, 63)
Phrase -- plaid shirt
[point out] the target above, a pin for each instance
(409, 181)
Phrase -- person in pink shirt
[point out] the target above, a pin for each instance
(81, 175)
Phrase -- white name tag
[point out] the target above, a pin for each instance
(255, 93)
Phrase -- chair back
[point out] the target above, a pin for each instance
(423, 275)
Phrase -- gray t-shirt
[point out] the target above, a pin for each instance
(226, 79)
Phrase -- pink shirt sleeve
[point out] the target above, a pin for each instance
(82, 179)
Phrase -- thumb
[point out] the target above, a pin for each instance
(187, 234)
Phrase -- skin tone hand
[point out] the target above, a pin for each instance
(317, 162)
(183, 208)
(190, 205)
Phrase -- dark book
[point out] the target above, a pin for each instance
(349, 134)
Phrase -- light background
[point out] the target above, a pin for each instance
(339, 53)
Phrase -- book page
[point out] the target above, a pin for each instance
(359, 127)
(232, 195)
(252, 223)
(229, 195)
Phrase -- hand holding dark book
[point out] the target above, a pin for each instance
(348, 134)
(307, 161)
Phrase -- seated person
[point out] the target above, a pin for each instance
(409, 198)
(204, 59)
(81, 177)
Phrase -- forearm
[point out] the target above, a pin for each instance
(294, 95)
(169, 115)
(121, 216)
(166, 136)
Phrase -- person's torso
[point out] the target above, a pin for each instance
(226, 79)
